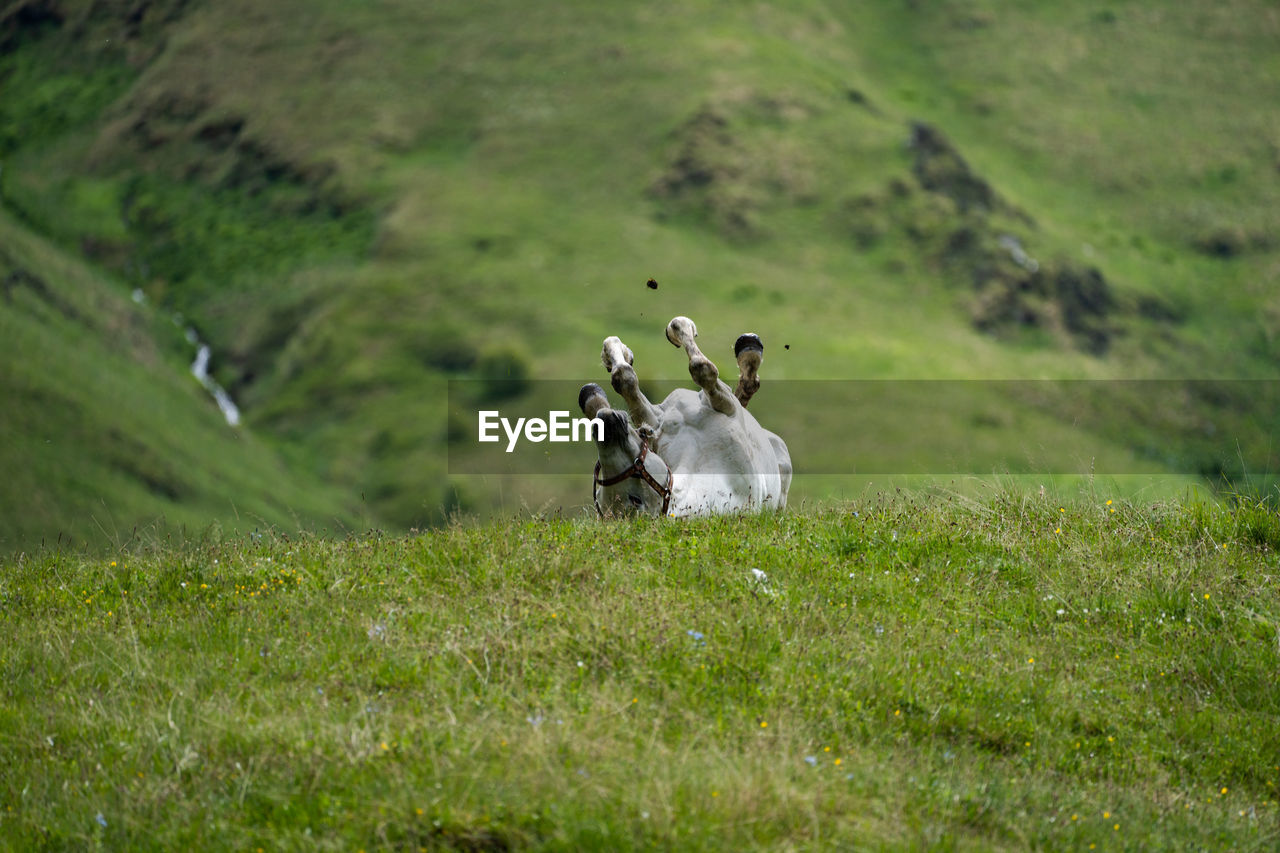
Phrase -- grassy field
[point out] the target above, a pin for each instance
(363, 207)
(356, 204)
(1001, 673)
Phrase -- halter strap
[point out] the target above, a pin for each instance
(638, 471)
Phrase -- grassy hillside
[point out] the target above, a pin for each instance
(105, 429)
(354, 204)
(1007, 673)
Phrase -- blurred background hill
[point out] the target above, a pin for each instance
(352, 204)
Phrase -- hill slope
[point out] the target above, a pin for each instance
(355, 204)
(106, 431)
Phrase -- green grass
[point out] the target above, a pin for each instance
(1001, 673)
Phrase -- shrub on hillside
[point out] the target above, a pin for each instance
(504, 373)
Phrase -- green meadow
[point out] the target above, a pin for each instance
(1012, 672)
(1017, 271)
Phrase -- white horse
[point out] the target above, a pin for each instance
(697, 452)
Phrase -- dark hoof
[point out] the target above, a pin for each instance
(588, 391)
(747, 341)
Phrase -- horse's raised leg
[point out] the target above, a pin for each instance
(617, 358)
(681, 331)
(749, 351)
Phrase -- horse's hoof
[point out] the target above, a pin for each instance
(748, 342)
(588, 391)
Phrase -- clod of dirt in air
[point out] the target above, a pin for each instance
(652, 283)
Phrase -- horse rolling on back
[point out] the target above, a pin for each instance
(695, 453)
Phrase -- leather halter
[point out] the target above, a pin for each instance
(636, 470)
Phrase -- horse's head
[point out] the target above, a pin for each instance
(629, 479)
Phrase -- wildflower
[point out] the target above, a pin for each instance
(764, 724)
(839, 761)
(811, 760)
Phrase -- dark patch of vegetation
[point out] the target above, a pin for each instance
(62, 63)
(858, 97)
(218, 151)
(27, 20)
(940, 169)
(1161, 309)
(181, 233)
(136, 460)
(445, 347)
(1232, 241)
(47, 93)
(20, 277)
(705, 177)
(963, 228)
(957, 220)
(1059, 297)
(504, 373)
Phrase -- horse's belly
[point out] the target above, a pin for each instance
(714, 494)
